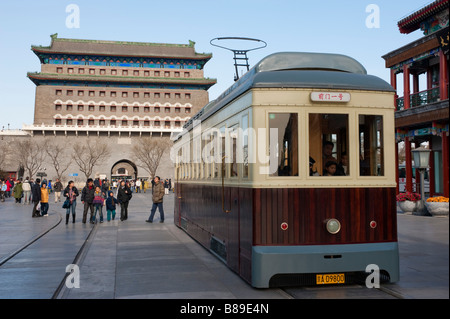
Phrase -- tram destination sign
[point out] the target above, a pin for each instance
(330, 97)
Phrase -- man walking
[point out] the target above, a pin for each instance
(158, 194)
(87, 198)
(26, 187)
(58, 186)
(123, 196)
(36, 197)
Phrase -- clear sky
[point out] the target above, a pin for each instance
(329, 26)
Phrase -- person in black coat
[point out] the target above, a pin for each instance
(87, 198)
(36, 196)
(123, 196)
(71, 193)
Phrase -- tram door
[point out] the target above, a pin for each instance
(231, 199)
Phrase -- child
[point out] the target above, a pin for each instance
(98, 203)
(111, 202)
(330, 168)
(44, 200)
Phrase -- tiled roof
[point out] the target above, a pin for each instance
(412, 22)
(128, 79)
(121, 48)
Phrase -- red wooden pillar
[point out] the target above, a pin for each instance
(443, 76)
(415, 83)
(393, 79)
(394, 85)
(397, 189)
(408, 165)
(406, 89)
(432, 168)
(445, 164)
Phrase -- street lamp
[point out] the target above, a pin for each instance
(421, 157)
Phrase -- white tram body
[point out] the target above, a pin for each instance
(252, 172)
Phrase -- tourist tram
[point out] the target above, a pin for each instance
(254, 173)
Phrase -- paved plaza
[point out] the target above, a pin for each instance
(138, 260)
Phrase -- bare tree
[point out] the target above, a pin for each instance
(30, 154)
(88, 155)
(59, 157)
(149, 151)
(4, 151)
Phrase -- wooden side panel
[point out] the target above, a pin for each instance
(257, 214)
(307, 210)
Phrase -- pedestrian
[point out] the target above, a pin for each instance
(98, 204)
(132, 185)
(71, 193)
(50, 187)
(158, 195)
(8, 188)
(36, 197)
(26, 187)
(124, 195)
(166, 187)
(87, 198)
(145, 185)
(44, 200)
(105, 187)
(57, 187)
(3, 191)
(111, 202)
(138, 186)
(18, 192)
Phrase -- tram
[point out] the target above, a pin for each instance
(288, 177)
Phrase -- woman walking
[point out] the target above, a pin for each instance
(124, 195)
(71, 193)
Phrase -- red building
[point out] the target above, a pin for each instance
(423, 115)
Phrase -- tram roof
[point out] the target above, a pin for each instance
(298, 70)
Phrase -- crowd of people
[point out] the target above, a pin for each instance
(95, 195)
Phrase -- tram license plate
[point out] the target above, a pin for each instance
(324, 279)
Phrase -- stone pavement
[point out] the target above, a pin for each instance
(135, 259)
(130, 259)
(424, 257)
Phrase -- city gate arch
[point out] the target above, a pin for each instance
(124, 169)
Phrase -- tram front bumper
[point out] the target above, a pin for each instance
(268, 261)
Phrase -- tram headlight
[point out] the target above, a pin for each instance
(333, 226)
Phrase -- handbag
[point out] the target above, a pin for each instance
(66, 204)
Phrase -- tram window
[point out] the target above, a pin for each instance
(328, 143)
(371, 145)
(286, 147)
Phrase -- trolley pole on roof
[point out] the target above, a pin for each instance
(240, 56)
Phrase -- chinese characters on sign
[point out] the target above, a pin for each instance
(330, 97)
(442, 37)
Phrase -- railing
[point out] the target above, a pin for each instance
(420, 98)
(425, 97)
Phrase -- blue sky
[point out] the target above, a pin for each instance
(329, 26)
